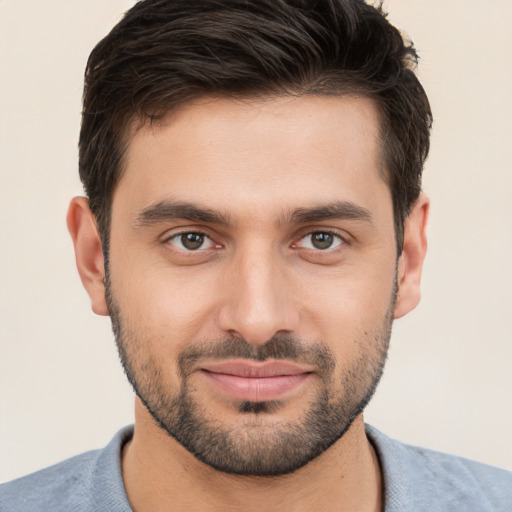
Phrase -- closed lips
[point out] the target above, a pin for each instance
(255, 381)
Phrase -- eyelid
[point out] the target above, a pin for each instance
(169, 237)
(343, 237)
(182, 230)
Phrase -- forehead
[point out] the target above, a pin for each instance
(256, 153)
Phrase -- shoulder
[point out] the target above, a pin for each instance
(76, 484)
(52, 488)
(420, 479)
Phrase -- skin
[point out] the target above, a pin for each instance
(256, 161)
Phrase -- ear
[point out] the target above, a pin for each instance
(410, 263)
(88, 252)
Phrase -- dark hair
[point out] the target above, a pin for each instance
(167, 52)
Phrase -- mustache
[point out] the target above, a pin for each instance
(281, 346)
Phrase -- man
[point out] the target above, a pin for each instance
(253, 224)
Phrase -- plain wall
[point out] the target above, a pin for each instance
(449, 379)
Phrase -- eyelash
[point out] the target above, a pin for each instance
(177, 236)
(341, 240)
(337, 236)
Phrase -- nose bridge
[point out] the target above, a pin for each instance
(258, 305)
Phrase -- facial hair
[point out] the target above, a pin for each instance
(258, 445)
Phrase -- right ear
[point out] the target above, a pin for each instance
(88, 252)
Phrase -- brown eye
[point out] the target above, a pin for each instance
(321, 241)
(191, 241)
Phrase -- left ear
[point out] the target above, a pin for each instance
(410, 263)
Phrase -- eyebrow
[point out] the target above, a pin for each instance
(169, 210)
(339, 210)
(165, 211)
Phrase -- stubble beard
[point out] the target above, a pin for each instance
(259, 444)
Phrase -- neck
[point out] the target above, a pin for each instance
(159, 474)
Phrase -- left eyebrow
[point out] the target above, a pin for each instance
(340, 210)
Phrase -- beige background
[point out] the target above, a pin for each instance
(449, 379)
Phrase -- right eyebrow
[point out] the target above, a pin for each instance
(165, 211)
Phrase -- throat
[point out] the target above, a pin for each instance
(159, 474)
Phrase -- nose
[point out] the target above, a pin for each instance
(259, 301)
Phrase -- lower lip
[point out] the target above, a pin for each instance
(255, 389)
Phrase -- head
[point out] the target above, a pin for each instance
(163, 54)
(253, 173)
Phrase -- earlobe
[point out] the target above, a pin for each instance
(88, 252)
(410, 263)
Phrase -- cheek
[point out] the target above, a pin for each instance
(351, 305)
(161, 302)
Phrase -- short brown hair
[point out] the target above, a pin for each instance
(167, 52)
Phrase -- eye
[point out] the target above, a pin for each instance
(320, 241)
(191, 241)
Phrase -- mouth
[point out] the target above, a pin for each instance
(255, 382)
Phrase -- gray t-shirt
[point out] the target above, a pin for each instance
(415, 480)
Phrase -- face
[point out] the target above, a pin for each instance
(252, 275)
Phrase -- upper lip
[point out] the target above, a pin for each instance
(254, 369)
